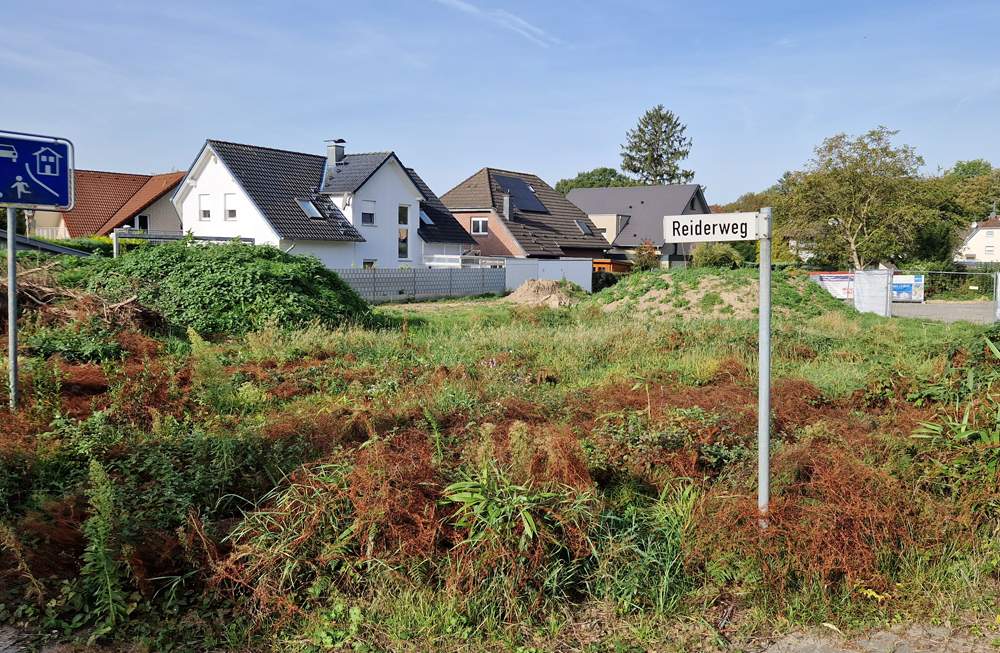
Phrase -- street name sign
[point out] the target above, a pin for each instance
(720, 227)
(36, 172)
(711, 227)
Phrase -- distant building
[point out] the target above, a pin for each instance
(982, 242)
(631, 215)
(106, 200)
(348, 210)
(517, 214)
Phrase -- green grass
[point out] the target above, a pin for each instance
(483, 476)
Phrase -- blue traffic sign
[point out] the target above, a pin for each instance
(36, 172)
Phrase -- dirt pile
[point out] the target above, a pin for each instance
(543, 292)
(710, 298)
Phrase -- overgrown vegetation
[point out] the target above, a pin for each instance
(497, 477)
(228, 289)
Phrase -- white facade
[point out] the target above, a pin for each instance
(982, 245)
(212, 203)
(159, 216)
(389, 194)
(208, 186)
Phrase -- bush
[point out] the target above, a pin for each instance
(100, 245)
(646, 257)
(601, 280)
(231, 288)
(716, 255)
(84, 343)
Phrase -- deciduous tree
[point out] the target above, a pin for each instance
(596, 178)
(857, 199)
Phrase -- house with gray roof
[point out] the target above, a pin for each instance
(517, 214)
(631, 215)
(348, 210)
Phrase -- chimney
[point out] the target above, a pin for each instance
(506, 206)
(335, 150)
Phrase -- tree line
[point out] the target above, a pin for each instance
(859, 201)
(862, 200)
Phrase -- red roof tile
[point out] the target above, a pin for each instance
(101, 196)
(155, 187)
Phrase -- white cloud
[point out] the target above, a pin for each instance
(505, 20)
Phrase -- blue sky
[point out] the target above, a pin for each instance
(533, 85)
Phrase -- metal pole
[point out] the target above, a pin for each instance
(996, 295)
(764, 372)
(12, 304)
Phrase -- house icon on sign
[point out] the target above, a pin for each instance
(47, 162)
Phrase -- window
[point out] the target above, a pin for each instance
(480, 226)
(229, 206)
(204, 207)
(693, 200)
(989, 250)
(404, 243)
(584, 228)
(368, 263)
(310, 209)
(138, 222)
(404, 215)
(989, 233)
(368, 212)
(426, 219)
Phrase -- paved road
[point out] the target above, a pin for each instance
(978, 312)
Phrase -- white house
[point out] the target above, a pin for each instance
(348, 210)
(982, 242)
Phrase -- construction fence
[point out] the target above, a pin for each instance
(379, 285)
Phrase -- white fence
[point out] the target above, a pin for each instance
(577, 270)
(392, 285)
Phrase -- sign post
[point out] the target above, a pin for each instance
(36, 172)
(720, 227)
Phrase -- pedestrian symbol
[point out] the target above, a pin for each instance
(20, 187)
(36, 172)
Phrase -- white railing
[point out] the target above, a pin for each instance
(50, 232)
(457, 261)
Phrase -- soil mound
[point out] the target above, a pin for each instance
(543, 292)
(709, 298)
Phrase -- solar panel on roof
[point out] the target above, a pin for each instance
(520, 193)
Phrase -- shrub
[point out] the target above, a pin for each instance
(716, 255)
(602, 280)
(231, 288)
(83, 343)
(645, 257)
(100, 245)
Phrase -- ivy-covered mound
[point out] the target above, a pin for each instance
(230, 288)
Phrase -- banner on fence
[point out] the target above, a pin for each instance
(908, 288)
(838, 284)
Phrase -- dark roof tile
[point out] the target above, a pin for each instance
(275, 180)
(539, 234)
(446, 228)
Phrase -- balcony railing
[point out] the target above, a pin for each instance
(49, 232)
(457, 261)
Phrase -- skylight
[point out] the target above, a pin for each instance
(426, 219)
(584, 228)
(310, 209)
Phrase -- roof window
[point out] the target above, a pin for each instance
(310, 210)
(584, 228)
(424, 218)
